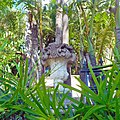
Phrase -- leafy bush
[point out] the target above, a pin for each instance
(11, 89)
(103, 105)
(36, 101)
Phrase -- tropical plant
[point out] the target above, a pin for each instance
(88, 28)
(11, 35)
(23, 98)
(105, 103)
(11, 87)
(44, 103)
(116, 12)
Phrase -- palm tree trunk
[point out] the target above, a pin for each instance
(40, 33)
(90, 45)
(59, 22)
(89, 33)
(39, 18)
(117, 16)
(116, 12)
(65, 38)
(65, 24)
(31, 39)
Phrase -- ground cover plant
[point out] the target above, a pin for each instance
(26, 27)
(103, 105)
(36, 101)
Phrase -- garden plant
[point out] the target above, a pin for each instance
(91, 27)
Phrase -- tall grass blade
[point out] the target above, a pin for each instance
(26, 73)
(38, 104)
(94, 78)
(92, 110)
(114, 86)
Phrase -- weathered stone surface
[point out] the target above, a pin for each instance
(54, 50)
(57, 56)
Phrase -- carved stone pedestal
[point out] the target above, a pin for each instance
(57, 56)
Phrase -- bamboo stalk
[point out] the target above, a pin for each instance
(90, 45)
(118, 13)
(117, 17)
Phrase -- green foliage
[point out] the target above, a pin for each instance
(117, 54)
(14, 90)
(106, 34)
(105, 103)
(49, 14)
(11, 34)
(99, 33)
(20, 94)
(33, 102)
